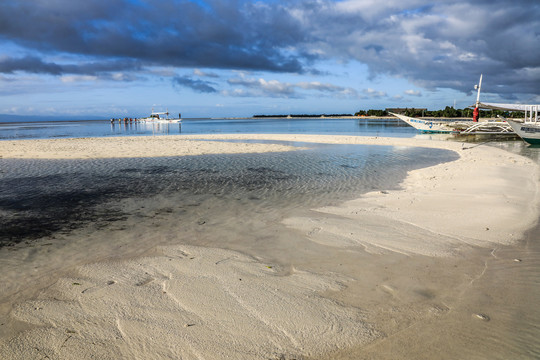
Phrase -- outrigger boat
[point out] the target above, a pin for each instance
(473, 126)
(494, 127)
(529, 128)
(427, 126)
(161, 117)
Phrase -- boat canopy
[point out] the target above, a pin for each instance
(531, 111)
(509, 107)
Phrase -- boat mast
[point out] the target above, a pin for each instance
(476, 112)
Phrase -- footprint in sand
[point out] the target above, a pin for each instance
(389, 290)
(145, 281)
(482, 317)
(96, 288)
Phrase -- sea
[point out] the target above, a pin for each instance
(58, 214)
(105, 128)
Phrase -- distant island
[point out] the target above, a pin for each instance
(303, 115)
(448, 112)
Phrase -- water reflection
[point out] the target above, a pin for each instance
(135, 127)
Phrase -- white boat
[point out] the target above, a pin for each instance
(474, 126)
(458, 127)
(527, 128)
(161, 117)
(428, 126)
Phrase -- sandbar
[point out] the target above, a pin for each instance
(126, 147)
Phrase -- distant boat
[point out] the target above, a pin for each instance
(161, 117)
(529, 128)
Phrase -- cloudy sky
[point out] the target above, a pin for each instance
(243, 57)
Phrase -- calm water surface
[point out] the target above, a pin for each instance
(101, 128)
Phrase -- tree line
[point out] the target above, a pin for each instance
(302, 115)
(448, 112)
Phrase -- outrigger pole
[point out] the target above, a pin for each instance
(476, 112)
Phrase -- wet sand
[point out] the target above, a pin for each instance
(420, 272)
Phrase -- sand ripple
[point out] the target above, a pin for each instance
(190, 303)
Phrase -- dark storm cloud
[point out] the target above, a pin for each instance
(196, 85)
(443, 44)
(32, 64)
(218, 34)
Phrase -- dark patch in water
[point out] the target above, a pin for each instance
(157, 170)
(131, 170)
(39, 206)
(43, 205)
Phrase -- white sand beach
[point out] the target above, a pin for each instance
(392, 269)
(124, 147)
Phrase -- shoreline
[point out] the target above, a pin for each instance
(125, 298)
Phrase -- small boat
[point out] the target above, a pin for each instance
(493, 127)
(529, 132)
(427, 126)
(528, 128)
(465, 127)
(161, 117)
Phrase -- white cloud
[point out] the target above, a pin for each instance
(434, 45)
(374, 93)
(238, 93)
(413, 92)
(77, 78)
(199, 72)
(276, 88)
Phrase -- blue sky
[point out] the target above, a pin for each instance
(113, 58)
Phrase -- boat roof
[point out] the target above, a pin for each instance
(508, 107)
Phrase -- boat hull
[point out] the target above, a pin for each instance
(164, 121)
(427, 126)
(529, 132)
(458, 127)
(153, 120)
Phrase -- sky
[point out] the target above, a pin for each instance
(221, 58)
